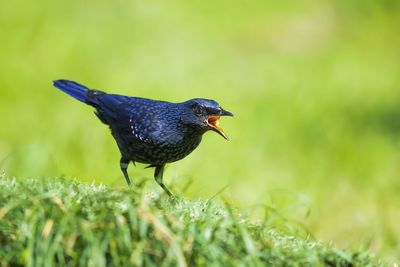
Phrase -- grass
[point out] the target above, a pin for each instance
(70, 223)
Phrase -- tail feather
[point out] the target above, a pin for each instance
(76, 90)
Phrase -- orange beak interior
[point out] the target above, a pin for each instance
(213, 121)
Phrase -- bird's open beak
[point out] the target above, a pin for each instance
(213, 122)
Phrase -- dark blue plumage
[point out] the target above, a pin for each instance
(150, 131)
(74, 89)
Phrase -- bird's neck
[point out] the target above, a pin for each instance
(192, 134)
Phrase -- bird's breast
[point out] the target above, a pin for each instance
(161, 147)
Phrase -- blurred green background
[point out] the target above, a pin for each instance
(314, 85)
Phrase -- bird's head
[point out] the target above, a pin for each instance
(204, 114)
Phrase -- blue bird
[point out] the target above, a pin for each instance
(150, 131)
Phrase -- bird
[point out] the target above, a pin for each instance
(150, 131)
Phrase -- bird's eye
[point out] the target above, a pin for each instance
(198, 110)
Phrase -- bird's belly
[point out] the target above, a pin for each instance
(149, 153)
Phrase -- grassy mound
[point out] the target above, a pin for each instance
(68, 223)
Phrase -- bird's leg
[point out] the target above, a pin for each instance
(123, 163)
(158, 175)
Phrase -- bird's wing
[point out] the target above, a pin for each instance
(134, 118)
(110, 108)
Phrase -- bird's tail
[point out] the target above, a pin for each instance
(78, 91)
